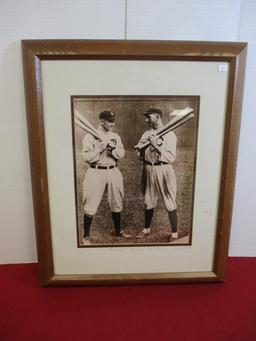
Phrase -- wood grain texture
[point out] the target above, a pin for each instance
(36, 50)
(123, 279)
(34, 108)
(231, 140)
(133, 49)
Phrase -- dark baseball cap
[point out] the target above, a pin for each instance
(153, 111)
(107, 115)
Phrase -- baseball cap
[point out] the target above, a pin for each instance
(153, 111)
(107, 115)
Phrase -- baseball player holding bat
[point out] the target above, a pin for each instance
(158, 174)
(102, 148)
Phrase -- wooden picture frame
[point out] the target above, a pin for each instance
(40, 58)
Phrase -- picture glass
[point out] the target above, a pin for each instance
(124, 188)
(75, 92)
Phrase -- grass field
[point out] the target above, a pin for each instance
(102, 230)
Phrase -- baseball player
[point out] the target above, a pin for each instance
(102, 157)
(158, 174)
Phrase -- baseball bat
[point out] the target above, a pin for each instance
(178, 123)
(87, 129)
(84, 121)
(179, 116)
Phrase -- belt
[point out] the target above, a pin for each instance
(103, 167)
(156, 163)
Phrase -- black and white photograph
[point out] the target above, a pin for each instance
(134, 162)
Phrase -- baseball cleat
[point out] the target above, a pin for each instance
(174, 235)
(143, 233)
(86, 241)
(125, 235)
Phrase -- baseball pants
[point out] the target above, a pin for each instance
(160, 179)
(95, 182)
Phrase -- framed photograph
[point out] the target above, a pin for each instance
(133, 148)
(128, 194)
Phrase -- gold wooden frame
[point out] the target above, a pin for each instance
(35, 51)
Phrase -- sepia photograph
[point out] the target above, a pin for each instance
(134, 162)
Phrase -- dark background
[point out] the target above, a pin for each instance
(130, 125)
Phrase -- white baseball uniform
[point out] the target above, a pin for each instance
(102, 173)
(158, 173)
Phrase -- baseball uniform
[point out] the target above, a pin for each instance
(158, 173)
(102, 173)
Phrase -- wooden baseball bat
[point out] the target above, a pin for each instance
(84, 121)
(179, 116)
(87, 129)
(178, 123)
